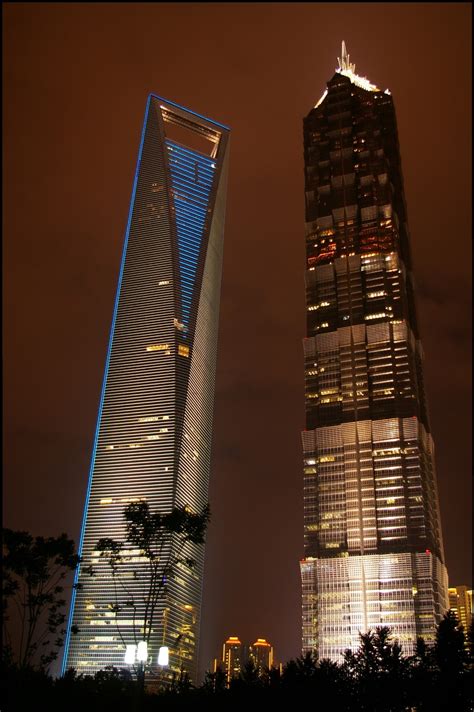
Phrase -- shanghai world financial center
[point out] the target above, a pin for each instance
(373, 550)
(154, 428)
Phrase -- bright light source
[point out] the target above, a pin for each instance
(142, 651)
(130, 654)
(163, 656)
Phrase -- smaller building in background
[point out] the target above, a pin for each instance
(232, 657)
(261, 652)
(236, 655)
(460, 601)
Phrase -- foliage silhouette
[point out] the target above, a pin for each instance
(34, 573)
(160, 540)
(375, 677)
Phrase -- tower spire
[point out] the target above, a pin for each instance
(344, 60)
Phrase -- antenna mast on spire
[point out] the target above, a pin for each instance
(344, 60)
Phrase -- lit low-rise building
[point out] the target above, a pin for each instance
(261, 653)
(236, 655)
(232, 657)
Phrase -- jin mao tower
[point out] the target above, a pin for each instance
(373, 544)
(154, 427)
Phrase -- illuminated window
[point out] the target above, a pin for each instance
(158, 347)
(375, 316)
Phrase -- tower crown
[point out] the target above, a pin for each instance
(347, 69)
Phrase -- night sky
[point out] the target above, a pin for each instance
(76, 81)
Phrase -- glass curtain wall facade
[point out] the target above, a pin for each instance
(372, 534)
(154, 428)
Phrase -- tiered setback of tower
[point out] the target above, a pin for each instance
(154, 427)
(373, 544)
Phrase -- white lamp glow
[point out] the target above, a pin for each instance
(142, 651)
(130, 654)
(163, 655)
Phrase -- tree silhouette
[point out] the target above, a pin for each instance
(379, 671)
(160, 540)
(451, 657)
(376, 678)
(470, 644)
(34, 571)
(215, 682)
(450, 650)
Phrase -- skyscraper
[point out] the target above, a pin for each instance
(372, 533)
(154, 426)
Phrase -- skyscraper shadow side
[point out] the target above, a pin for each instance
(373, 544)
(154, 427)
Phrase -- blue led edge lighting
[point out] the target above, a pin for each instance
(183, 108)
(102, 395)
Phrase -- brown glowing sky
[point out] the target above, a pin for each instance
(76, 80)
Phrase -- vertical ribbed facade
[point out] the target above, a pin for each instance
(372, 533)
(154, 427)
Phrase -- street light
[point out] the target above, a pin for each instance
(142, 651)
(136, 653)
(130, 653)
(163, 656)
